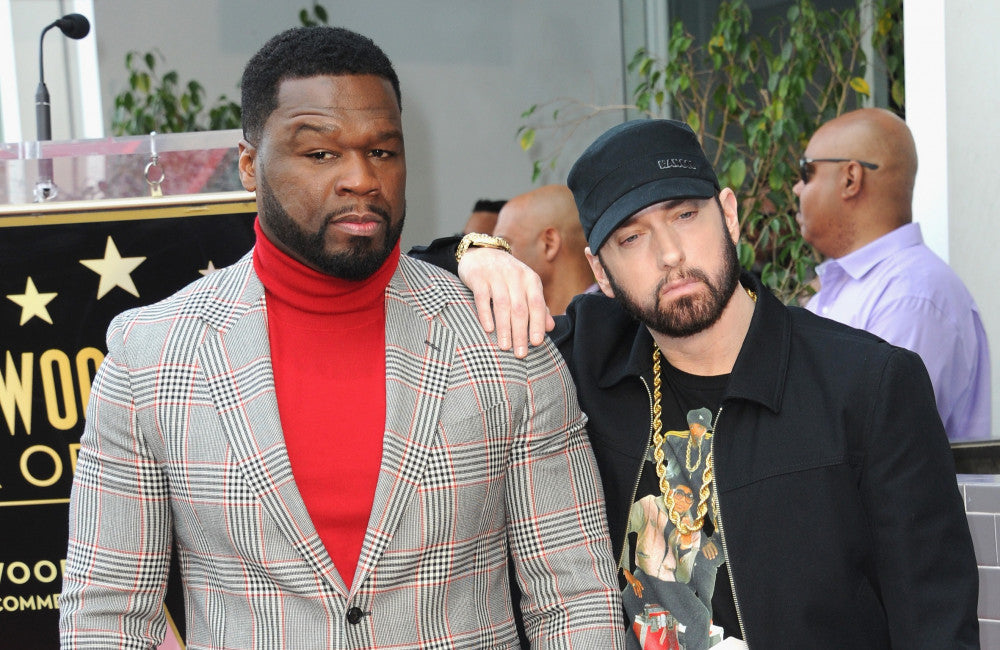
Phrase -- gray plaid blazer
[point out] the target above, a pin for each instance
(482, 452)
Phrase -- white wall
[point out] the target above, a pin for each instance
(952, 93)
(973, 92)
(467, 69)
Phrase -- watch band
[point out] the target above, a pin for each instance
(480, 240)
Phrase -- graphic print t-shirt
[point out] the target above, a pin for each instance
(673, 569)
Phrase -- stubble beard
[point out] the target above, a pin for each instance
(362, 257)
(690, 314)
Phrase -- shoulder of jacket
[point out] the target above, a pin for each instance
(830, 337)
(226, 285)
(429, 288)
(594, 314)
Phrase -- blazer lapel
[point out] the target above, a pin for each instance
(237, 364)
(419, 351)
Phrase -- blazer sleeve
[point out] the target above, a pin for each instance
(120, 524)
(557, 522)
(926, 565)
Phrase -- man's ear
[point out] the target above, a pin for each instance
(599, 274)
(551, 243)
(247, 166)
(852, 180)
(730, 210)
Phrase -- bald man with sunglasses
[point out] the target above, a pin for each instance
(855, 196)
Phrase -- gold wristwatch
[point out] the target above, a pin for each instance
(479, 240)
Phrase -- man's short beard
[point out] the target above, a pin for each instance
(688, 315)
(359, 262)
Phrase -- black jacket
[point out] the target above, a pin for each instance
(440, 252)
(840, 512)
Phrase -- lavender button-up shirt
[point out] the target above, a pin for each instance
(898, 289)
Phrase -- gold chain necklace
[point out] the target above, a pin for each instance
(661, 470)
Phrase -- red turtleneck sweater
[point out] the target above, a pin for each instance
(327, 339)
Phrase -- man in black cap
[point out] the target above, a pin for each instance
(828, 481)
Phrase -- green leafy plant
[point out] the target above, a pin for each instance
(161, 103)
(888, 42)
(754, 100)
(317, 16)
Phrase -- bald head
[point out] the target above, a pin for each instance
(879, 136)
(853, 205)
(544, 231)
(551, 206)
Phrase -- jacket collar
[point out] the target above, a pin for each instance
(413, 284)
(761, 366)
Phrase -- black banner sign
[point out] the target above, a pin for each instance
(63, 276)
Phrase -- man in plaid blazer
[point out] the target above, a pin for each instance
(207, 418)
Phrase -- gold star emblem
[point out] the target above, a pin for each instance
(32, 303)
(114, 270)
(209, 269)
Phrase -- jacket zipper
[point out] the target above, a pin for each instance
(722, 536)
(635, 488)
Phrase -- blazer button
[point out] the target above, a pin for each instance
(354, 615)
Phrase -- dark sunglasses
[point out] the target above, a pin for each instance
(806, 165)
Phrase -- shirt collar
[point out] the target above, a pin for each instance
(858, 263)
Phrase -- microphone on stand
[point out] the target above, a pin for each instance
(74, 26)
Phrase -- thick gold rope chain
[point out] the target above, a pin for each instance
(661, 470)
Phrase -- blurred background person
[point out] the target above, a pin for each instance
(544, 231)
(855, 197)
(483, 217)
(441, 251)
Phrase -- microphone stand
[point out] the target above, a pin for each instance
(45, 187)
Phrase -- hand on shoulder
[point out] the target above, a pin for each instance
(508, 297)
